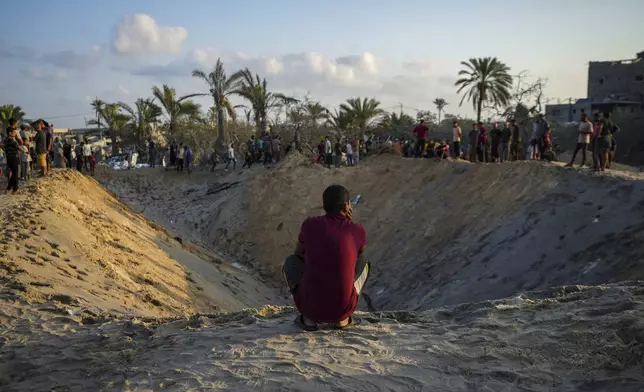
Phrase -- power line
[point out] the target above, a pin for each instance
(67, 115)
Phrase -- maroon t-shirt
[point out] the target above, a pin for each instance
(421, 131)
(331, 245)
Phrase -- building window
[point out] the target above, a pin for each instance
(574, 111)
(556, 112)
(639, 78)
(601, 81)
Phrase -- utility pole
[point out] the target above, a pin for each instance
(401, 110)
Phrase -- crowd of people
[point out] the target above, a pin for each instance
(33, 147)
(501, 144)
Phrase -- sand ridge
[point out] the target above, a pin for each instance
(66, 240)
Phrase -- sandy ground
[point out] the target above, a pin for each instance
(151, 296)
(438, 233)
(573, 338)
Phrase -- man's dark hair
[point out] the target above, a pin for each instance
(422, 121)
(12, 121)
(607, 114)
(334, 199)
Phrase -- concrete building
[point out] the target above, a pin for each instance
(612, 86)
(568, 112)
(621, 79)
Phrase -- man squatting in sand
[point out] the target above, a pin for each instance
(328, 270)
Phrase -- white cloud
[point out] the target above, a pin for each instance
(296, 70)
(328, 79)
(140, 34)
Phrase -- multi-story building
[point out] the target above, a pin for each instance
(612, 86)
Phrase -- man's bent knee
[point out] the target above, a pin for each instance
(292, 271)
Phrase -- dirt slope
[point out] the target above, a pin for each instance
(438, 233)
(67, 242)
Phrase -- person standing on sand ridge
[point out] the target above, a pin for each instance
(41, 147)
(328, 269)
(11, 146)
(457, 134)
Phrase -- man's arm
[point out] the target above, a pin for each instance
(299, 246)
(299, 249)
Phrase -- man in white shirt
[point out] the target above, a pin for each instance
(457, 134)
(277, 148)
(328, 152)
(583, 140)
(87, 151)
(231, 157)
(349, 152)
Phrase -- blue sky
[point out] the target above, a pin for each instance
(403, 51)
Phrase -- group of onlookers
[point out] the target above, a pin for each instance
(35, 147)
(598, 137)
(330, 154)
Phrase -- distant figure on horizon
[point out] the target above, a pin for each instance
(151, 153)
(231, 156)
(515, 141)
(583, 140)
(328, 270)
(506, 137)
(328, 152)
(421, 132)
(457, 134)
(180, 156)
(471, 138)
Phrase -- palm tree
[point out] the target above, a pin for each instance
(440, 105)
(362, 111)
(142, 116)
(396, 121)
(221, 87)
(340, 120)
(255, 91)
(110, 115)
(8, 112)
(175, 108)
(487, 80)
(315, 111)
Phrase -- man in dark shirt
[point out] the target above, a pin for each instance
(421, 137)
(49, 132)
(506, 136)
(472, 139)
(11, 145)
(151, 153)
(495, 135)
(515, 144)
(605, 140)
(41, 147)
(328, 271)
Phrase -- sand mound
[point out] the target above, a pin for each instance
(67, 242)
(571, 338)
(438, 233)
